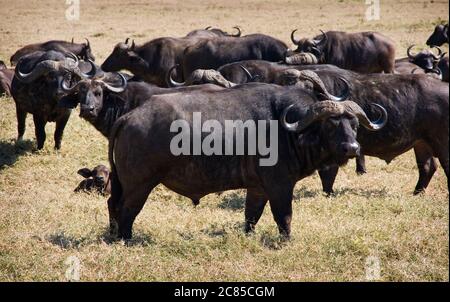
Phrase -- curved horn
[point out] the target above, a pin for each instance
(355, 109)
(72, 40)
(296, 42)
(133, 45)
(117, 89)
(171, 82)
(88, 44)
(67, 89)
(324, 38)
(72, 56)
(92, 72)
(317, 111)
(250, 77)
(320, 86)
(408, 52)
(238, 34)
(440, 55)
(208, 27)
(40, 69)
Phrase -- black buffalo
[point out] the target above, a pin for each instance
(36, 89)
(106, 97)
(419, 105)
(440, 36)
(81, 50)
(211, 54)
(425, 60)
(365, 52)
(311, 134)
(151, 61)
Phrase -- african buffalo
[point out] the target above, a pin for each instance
(211, 54)
(96, 180)
(425, 59)
(106, 97)
(408, 98)
(364, 52)
(418, 118)
(36, 89)
(152, 60)
(81, 50)
(439, 37)
(312, 134)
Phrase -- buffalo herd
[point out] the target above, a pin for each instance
(336, 96)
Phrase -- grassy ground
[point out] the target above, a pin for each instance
(375, 216)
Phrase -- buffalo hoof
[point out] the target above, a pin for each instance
(419, 191)
(361, 171)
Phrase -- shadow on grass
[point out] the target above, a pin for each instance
(368, 193)
(67, 242)
(10, 151)
(305, 193)
(273, 241)
(233, 202)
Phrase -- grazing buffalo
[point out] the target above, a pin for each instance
(96, 180)
(81, 50)
(36, 89)
(443, 67)
(312, 134)
(440, 36)
(151, 61)
(106, 97)
(6, 76)
(365, 52)
(211, 54)
(210, 32)
(418, 118)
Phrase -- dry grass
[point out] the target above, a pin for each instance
(42, 222)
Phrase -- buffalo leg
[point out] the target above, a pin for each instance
(426, 165)
(361, 165)
(39, 125)
(134, 197)
(254, 207)
(280, 199)
(21, 117)
(328, 176)
(61, 123)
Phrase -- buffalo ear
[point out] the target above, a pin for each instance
(68, 102)
(85, 172)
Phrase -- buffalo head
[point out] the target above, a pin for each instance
(86, 51)
(425, 59)
(89, 93)
(313, 46)
(124, 56)
(96, 179)
(439, 36)
(331, 125)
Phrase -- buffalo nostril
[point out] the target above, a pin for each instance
(351, 149)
